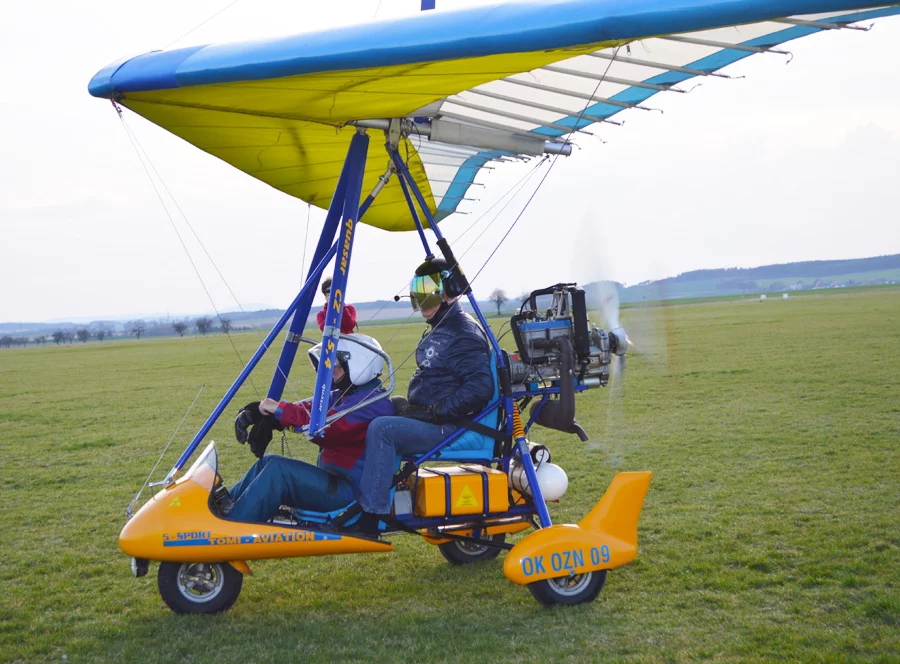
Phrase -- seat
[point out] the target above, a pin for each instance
(472, 446)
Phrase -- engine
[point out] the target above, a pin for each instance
(554, 338)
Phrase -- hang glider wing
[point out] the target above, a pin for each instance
(488, 84)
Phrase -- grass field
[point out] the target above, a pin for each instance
(771, 529)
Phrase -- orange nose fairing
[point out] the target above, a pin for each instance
(177, 525)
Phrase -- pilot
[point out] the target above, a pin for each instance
(452, 382)
(333, 483)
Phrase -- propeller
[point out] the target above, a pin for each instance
(603, 296)
(647, 324)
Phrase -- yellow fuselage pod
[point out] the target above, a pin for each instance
(176, 525)
(605, 539)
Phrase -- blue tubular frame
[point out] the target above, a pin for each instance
(405, 175)
(329, 229)
(257, 356)
(412, 211)
(521, 444)
(345, 208)
(354, 167)
(301, 305)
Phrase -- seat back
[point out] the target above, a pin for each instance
(471, 445)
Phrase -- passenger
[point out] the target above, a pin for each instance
(452, 382)
(348, 319)
(334, 482)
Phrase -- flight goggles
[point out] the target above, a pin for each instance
(425, 291)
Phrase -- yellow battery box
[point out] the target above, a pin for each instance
(454, 490)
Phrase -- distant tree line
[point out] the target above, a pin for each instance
(806, 269)
(135, 328)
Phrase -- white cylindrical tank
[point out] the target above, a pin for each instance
(551, 478)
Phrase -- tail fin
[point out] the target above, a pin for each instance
(617, 512)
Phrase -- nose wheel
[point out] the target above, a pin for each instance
(199, 587)
(574, 589)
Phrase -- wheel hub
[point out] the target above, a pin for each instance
(472, 549)
(571, 585)
(200, 582)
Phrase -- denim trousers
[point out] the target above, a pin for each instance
(276, 480)
(387, 438)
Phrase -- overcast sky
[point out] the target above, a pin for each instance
(795, 162)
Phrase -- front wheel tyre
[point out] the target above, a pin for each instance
(199, 587)
(460, 552)
(575, 589)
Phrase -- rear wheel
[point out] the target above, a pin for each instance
(459, 552)
(575, 589)
(199, 587)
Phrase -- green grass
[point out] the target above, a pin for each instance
(771, 529)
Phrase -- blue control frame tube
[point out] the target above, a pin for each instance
(521, 443)
(355, 167)
(404, 172)
(533, 484)
(405, 177)
(329, 229)
(257, 356)
(412, 211)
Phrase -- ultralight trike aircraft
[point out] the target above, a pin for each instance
(410, 111)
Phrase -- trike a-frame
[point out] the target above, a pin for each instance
(496, 486)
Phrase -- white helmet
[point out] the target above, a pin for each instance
(360, 363)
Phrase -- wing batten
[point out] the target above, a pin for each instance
(722, 55)
(494, 84)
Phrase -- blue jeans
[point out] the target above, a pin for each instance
(387, 438)
(276, 480)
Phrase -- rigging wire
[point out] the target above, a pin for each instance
(202, 23)
(165, 449)
(523, 182)
(497, 202)
(134, 144)
(552, 164)
(184, 216)
(397, 367)
(305, 238)
(187, 221)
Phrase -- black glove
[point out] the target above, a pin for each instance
(247, 416)
(421, 413)
(261, 435)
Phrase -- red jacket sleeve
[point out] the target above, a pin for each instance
(339, 433)
(320, 318)
(293, 414)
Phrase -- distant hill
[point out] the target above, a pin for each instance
(806, 275)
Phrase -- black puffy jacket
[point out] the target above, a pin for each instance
(454, 371)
